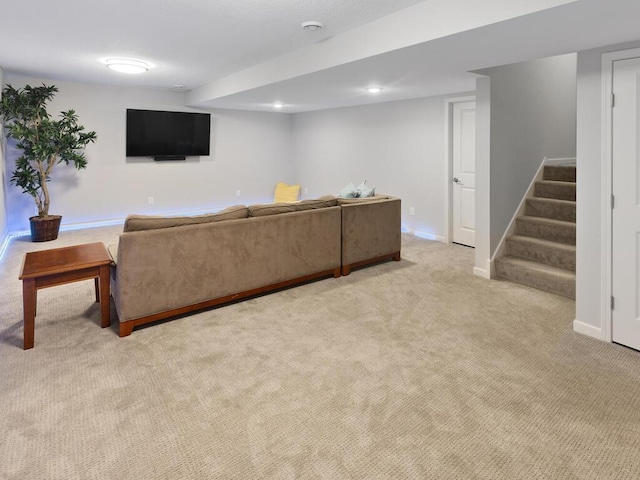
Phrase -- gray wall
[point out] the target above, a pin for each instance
(250, 152)
(533, 107)
(398, 147)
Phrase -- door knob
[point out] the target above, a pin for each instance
(456, 180)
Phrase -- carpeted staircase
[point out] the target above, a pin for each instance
(542, 251)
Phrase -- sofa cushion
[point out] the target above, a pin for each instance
(134, 223)
(363, 190)
(261, 210)
(348, 192)
(286, 193)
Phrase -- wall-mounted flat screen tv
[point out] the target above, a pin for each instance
(167, 135)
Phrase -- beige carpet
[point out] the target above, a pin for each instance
(409, 370)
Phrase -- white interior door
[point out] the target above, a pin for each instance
(625, 273)
(463, 169)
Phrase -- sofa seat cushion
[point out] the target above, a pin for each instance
(261, 210)
(135, 223)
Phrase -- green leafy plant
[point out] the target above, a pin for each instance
(44, 142)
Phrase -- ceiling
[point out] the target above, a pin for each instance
(249, 54)
(187, 42)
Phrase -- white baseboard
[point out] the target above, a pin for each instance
(4, 244)
(115, 221)
(425, 235)
(586, 329)
(484, 269)
(73, 226)
(482, 272)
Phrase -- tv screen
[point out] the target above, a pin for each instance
(159, 134)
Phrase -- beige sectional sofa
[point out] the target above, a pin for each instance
(169, 266)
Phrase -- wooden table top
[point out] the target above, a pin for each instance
(65, 259)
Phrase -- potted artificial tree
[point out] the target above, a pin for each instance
(44, 142)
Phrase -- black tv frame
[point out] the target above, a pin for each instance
(167, 114)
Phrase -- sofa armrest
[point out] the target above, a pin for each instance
(370, 230)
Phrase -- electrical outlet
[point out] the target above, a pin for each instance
(237, 193)
(412, 211)
(150, 200)
(306, 190)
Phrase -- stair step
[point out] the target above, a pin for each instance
(555, 254)
(550, 208)
(537, 275)
(561, 173)
(547, 229)
(555, 189)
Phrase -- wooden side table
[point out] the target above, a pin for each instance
(58, 266)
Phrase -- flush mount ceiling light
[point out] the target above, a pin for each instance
(127, 65)
(312, 26)
(374, 90)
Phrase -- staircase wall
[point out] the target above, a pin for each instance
(532, 116)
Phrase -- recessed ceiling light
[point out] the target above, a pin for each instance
(312, 26)
(374, 90)
(127, 65)
(278, 105)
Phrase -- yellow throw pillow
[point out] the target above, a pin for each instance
(286, 193)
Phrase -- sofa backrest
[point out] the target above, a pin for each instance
(135, 223)
(374, 198)
(159, 270)
(261, 210)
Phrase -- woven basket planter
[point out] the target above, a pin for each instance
(44, 229)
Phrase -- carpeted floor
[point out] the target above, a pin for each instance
(405, 370)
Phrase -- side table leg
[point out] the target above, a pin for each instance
(97, 284)
(105, 295)
(29, 309)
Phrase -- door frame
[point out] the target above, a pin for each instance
(607, 188)
(448, 160)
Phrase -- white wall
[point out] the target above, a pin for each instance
(483, 178)
(533, 108)
(250, 152)
(3, 174)
(589, 270)
(398, 147)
